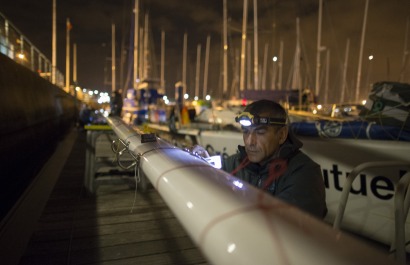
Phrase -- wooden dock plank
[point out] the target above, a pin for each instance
(113, 226)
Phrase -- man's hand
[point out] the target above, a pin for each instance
(198, 151)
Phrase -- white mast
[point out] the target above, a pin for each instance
(141, 54)
(243, 47)
(255, 43)
(265, 62)
(75, 64)
(344, 81)
(113, 58)
(162, 59)
(67, 58)
(225, 47)
(184, 57)
(198, 68)
(146, 49)
(280, 62)
(248, 65)
(54, 44)
(359, 68)
(136, 43)
(327, 76)
(208, 43)
(405, 53)
(319, 49)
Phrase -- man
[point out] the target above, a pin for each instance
(271, 159)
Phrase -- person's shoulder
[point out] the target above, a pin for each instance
(303, 158)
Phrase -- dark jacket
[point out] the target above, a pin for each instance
(301, 184)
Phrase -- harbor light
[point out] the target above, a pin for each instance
(186, 96)
(274, 58)
(370, 57)
(95, 92)
(208, 97)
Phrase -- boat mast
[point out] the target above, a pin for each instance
(146, 51)
(54, 44)
(344, 81)
(265, 62)
(243, 47)
(319, 49)
(184, 56)
(225, 47)
(359, 68)
(208, 43)
(405, 53)
(136, 35)
(113, 57)
(162, 60)
(255, 44)
(67, 58)
(280, 61)
(198, 68)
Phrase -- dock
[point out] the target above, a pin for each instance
(115, 225)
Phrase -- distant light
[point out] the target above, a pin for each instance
(208, 97)
(319, 107)
(77, 88)
(21, 55)
(84, 90)
(370, 57)
(165, 97)
(225, 47)
(196, 98)
(96, 92)
(274, 58)
(90, 93)
(364, 102)
(190, 205)
(186, 96)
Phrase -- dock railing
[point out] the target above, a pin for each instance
(230, 221)
(18, 47)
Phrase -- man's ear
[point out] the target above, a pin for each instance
(283, 134)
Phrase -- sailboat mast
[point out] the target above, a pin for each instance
(54, 44)
(136, 40)
(113, 57)
(319, 49)
(184, 56)
(280, 62)
(198, 68)
(255, 44)
(208, 43)
(225, 47)
(162, 60)
(243, 47)
(344, 81)
(405, 53)
(359, 68)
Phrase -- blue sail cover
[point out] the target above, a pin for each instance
(385, 116)
(350, 129)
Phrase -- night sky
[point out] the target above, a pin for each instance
(342, 20)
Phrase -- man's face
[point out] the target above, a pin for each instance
(262, 141)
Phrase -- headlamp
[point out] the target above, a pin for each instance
(247, 119)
